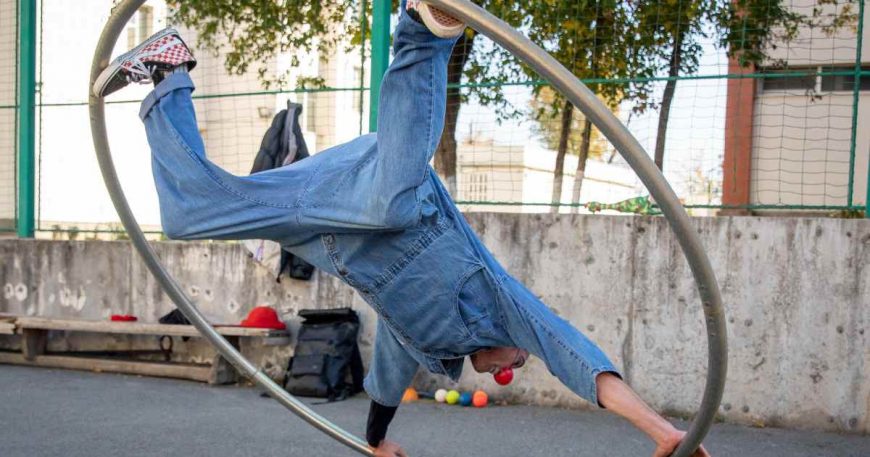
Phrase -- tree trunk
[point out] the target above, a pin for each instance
(581, 163)
(559, 170)
(667, 98)
(586, 138)
(445, 153)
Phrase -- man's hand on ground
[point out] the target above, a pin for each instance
(667, 446)
(389, 449)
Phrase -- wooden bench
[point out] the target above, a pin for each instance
(7, 324)
(34, 336)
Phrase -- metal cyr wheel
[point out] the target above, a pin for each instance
(563, 81)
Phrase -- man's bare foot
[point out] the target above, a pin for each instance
(669, 443)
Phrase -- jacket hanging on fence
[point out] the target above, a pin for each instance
(283, 144)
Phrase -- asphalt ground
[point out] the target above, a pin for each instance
(45, 412)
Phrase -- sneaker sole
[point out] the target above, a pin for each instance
(110, 71)
(437, 28)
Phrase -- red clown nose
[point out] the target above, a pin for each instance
(504, 376)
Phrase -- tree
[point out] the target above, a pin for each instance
(566, 131)
(596, 40)
(487, 71)
(445, 154)
(549, 125)
(676, 27)
(622, 39)
(254, 31)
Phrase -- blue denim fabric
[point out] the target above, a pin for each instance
(373, 212)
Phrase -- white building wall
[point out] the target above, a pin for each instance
(491, 172)
(8, 70)
(802, 141)
(70, 187)
(801, 149)
(233, 127)
(813, 46)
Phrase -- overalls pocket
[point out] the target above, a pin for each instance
(477, 304)
(422, 299)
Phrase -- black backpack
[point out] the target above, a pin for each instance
(327, 362)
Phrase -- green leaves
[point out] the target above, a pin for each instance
(631, 40)
(252, 32)
(749, 29)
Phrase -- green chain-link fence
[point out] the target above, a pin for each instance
(234, 110)
(8, 112)
(748, 105)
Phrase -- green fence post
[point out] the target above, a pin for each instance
(363, 30)
(856, 98)
(380, 39)
(27, 119)
(856, 90)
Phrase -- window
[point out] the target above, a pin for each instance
(146, 22)
(805, 79)
(131, 37)
(141, 28)
(477, 187)
(832, 83)
(357, 94)
(781, 80)
(310, 111)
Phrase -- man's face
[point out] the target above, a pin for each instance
(494, 359)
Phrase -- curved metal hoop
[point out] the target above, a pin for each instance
(711, 299)
(116, 23)
(561, 79)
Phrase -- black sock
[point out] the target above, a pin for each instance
(160, 75)
(414, 15)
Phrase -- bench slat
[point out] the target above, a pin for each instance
(137, 328)
(7, 328)
(165, 370)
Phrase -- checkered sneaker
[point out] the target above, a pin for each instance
(166, 52)
(163, 51)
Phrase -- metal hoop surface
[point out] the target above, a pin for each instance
(561, 79)
(121, 14)
(711, 299)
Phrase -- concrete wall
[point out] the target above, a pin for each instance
(797, 293)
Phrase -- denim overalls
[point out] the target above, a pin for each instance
(373, 212)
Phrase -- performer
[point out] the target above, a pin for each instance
(374, 213)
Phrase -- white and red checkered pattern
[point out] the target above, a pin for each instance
(168, 51)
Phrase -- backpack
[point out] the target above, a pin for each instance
(327, 362)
